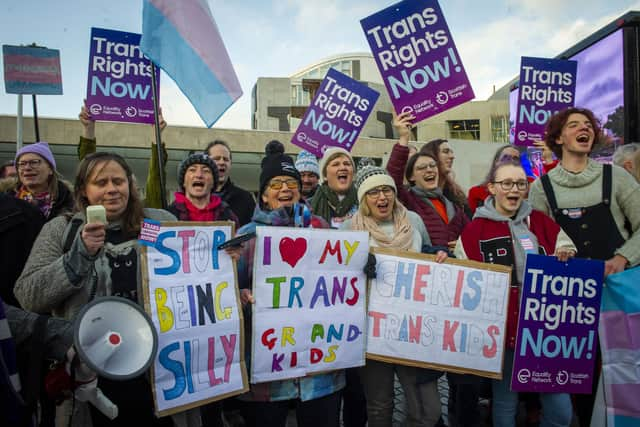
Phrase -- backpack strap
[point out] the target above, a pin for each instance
(548, 191)
(70, 233)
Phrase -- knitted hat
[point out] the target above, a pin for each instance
(40, 148)
(330, 154)
(276, 163)
(370, 177)
(307, 162)
(197, 159)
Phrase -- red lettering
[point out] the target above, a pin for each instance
(316, 355)
(269, 342)
(332, 251)
(377, 316)
(356, 293)
(448, 336)
(294, 359)
(419, 283)
(414, 329)
(459, 283)
(490, 351)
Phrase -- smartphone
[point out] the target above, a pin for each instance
(238, 240)
(96, 213)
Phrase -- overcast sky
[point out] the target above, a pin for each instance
(276, 39)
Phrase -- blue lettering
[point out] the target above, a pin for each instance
(118, 89)
(326, 127)
(471, 302)
(420, 77)
(175, 367)
(404, 279)
(218, 239)
(175, 257)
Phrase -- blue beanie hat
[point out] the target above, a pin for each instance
(307, 162)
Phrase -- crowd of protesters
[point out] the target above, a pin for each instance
(54, 261)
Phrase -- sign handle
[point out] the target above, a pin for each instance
(163, 195)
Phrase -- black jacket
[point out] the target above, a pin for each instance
(20, 224)
(241, 201)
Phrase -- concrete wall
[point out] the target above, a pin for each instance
(133, 142)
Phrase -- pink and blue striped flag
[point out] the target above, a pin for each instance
(619, 331)
(182, 38)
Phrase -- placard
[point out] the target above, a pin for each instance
(191, 293)
(119, 80)
(32, 70)
(448, 316)
(337, 114)
(558, 327)
(309, 311)
(417, 58)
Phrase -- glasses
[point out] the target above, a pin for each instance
(508, 184)
(425, 166)
(375, 193)
(276, 184)
(31, 163)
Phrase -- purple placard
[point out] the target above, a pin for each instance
(558, 325)
(119, 81)
(546, 87)
(336, 115)
(417, 58)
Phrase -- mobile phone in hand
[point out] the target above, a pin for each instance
(96, 213)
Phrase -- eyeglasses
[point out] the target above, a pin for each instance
(375, 193)
(276, 184)
(34, 163)
(425, 166)
(508, 184)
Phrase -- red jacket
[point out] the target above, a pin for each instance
(439, 232)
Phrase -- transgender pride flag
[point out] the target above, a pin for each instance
(182, 38)
(619, 331)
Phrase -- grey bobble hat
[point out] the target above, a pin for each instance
(370, 177)
(197, 159)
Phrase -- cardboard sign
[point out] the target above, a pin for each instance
(336, 115)
(417, 58)
(309, 310)
(119, 79)
(448, 316)
(32, 70)
(558, 325)
(191, 294)
(546, 87)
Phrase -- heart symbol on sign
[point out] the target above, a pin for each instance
(292, 251)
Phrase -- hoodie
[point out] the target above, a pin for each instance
(493, 238)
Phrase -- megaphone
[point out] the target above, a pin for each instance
(115, 338)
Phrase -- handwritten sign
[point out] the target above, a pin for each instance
(336, 115)
(546, 87)
(119, 79)
(309, 311)
(557, 330)
(445, 316)
(192, 297)
(417, 58)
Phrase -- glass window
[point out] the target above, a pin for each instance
(464, 129)
(499, 129)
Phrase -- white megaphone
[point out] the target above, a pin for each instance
(116, 340)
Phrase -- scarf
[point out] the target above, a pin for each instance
(42, 201)
(199, 214)
(326, 200)
(427, 195)
(402, 237)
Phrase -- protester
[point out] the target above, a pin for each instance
(72, 262)
(20, 223)
(478, 193)
(27, 338)
(88, 144)
(336, 199)
(444, 222)
(597, 205)
(8, 170)
(548, 159)
(623, 156)
(316, 398)
(514, 229)
(391, 225)
(38, 182)
(307, 165)
(447, 182)
(197, 177)
(241, 201)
